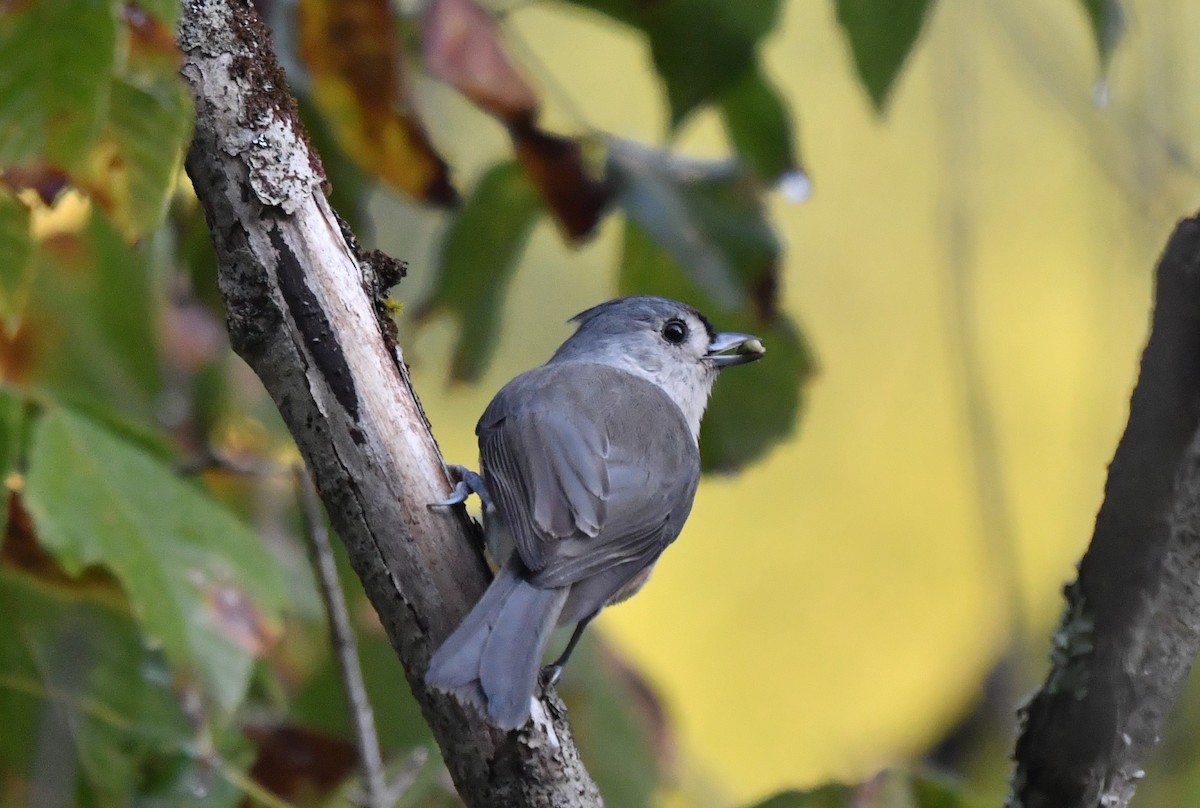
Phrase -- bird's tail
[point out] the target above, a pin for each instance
(492, 660)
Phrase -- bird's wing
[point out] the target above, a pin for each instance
(589, 467)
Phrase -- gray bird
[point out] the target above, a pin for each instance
(589, 467)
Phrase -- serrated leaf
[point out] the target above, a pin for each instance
(149, 129)
(16, 259)
(758, 126)
(881, 34)
(708, 215)
(358, 82)
(91, 309)
(197, 578)
(57, 59)
(478, 257)
(752, 408)
(85, 704)
(700, 47)
(1108, 24)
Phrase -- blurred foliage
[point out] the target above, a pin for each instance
(700, 47)
(480, 251)
(157, 644)
(890, 789)
(1108, 21)
(882, 34)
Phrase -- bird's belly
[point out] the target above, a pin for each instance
(630, 589)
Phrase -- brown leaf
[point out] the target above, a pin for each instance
(46, 181)
(18, 352)
(556, 166)
(299, 764)
(149, 37)
(356, 64)
(462, 47)
(20, 550)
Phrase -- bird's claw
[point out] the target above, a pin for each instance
(468, 483)
(550, 675)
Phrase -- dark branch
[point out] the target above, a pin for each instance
(300, 310)
(1131, 627)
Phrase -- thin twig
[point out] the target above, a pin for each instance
(341, 635)
(406, 777)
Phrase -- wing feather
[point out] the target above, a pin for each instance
(581, 486)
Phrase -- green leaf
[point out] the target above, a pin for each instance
(889, 789)
(833, 795)
(165, 11)
(882, 34)
(57, 59)
(1108, 24)
(150, 128)
(13, 424)
(321, 703)
(197, 578)
(92, 309)
(13, 427)
(198, 777)
(80, 694)
(16, 258)
(759, 126)
(709, 216)
(479, 255)
(754, 407)
(619, 724)
(700, 47)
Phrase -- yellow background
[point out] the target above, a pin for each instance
(835, 607)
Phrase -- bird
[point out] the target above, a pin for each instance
(589, 465)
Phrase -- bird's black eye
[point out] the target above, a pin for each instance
(675, 331)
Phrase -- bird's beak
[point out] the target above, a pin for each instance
(734, 349)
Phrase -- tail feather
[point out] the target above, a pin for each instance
(492, 659)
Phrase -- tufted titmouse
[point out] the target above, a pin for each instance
(589, 466)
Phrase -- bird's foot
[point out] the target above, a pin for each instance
(550, 675)
(468, 483)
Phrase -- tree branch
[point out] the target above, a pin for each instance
(341, 637)
(1131, 627)
(301, 311)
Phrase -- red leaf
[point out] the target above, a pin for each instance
(46, 181)
(556, 167)
(462, 47)
(297, 764)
